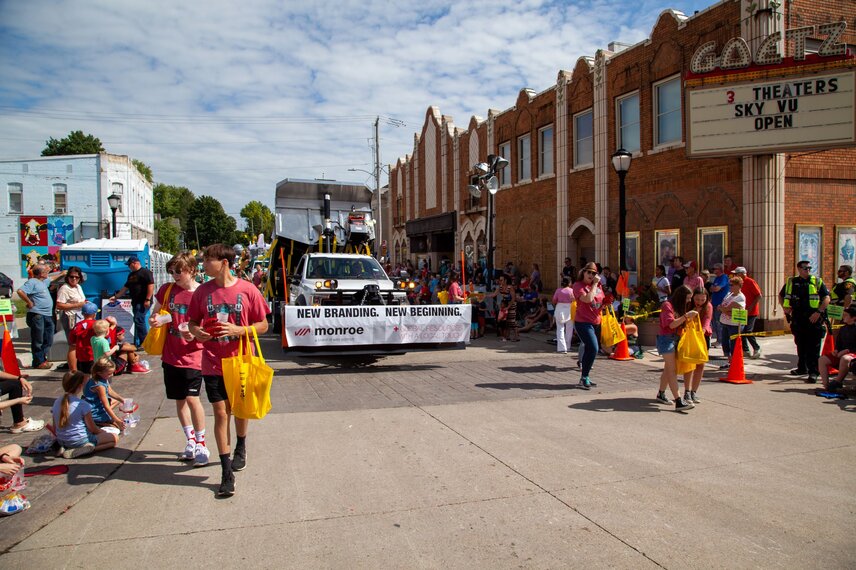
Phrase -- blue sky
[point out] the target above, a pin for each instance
(227, 98)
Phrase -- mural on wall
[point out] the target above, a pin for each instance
(43, 236)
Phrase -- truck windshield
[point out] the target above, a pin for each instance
(345, 268)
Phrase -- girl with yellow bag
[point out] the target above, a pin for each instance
(695, 343)
(673, 317)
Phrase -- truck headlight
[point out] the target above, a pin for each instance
(327, 284)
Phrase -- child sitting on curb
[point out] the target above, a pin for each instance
(76, 431)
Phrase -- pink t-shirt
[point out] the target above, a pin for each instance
(587, 312)
(209, 299)
(563, 295)
(694, 282)
(455, 291)
(177, 351)
(667, 315)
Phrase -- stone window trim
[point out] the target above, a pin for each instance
(619, 142)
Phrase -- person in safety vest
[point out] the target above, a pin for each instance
(842, 292)
(804, 299)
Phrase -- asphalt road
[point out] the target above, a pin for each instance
(488, 457)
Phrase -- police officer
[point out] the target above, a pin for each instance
(842, 293)
(804, 299)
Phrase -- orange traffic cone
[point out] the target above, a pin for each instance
(10, 361)
(622, 350)
(828, 349)
(736, 372)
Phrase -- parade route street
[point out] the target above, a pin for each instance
(484, 458)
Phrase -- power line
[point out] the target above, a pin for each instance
(201, 143)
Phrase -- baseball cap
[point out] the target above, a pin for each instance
(692, 264)
(132, 259)
(741, 270)
(89, 308)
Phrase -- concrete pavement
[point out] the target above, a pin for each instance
(484, 458)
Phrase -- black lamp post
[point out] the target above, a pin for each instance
(621, 162)
(486, 172)
(114, 200)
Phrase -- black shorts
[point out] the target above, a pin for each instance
(181, 382)
(84, 366)
(215, 389)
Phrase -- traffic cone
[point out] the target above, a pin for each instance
(622, 350)
(10, 361)
(736, 372)
(828, 349)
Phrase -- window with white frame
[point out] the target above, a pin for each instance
(16, 198)
(117, 189)
(505, 171)
(667, 100)
(524, 158)
(60, 195)
(584, 139)
(545, 151)
(628, 123)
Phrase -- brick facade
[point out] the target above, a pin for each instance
(573, 211)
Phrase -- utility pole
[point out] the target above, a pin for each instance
(379, 237)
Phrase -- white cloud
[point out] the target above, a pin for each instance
(227, 98)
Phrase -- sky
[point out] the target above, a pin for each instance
(228, 98)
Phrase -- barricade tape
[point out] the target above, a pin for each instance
(772, 333)
(640, 315)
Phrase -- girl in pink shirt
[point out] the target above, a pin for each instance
(673, 316)
(701, 304)
(589, 297)
(562, 300)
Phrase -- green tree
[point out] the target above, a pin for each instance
(258, 218)
(75, 143)
(144, 169)
(207, 218)
(173, 202)
(167, 236)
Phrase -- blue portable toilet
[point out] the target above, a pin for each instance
(104, 262)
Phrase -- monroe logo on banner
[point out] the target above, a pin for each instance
(422, 324)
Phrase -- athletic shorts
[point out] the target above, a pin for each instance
(215, 389)
(667, 343)
(90, 438)
(181, 382)
(84, 366)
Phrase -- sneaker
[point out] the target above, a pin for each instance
(73, 452)
(662, 398)
(585, 383)
(725, 366)
(227, 485)
(756, 355)
(189, 449)
(682, 406)
(812, 379)
(694, 398)
(43, 366)
(239, 459)
(200, 455)
(139, 369)
(798, 372)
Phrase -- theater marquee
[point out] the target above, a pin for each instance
(806, 113)
(739, 103)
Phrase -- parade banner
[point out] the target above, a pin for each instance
(362, 325)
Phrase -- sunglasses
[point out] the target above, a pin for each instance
(805, 268)
(72, 276)
(589, 272)
(176, 271)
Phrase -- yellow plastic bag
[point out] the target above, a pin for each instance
(692, 347)
(610, 331)
(248, 380)
(156, 337)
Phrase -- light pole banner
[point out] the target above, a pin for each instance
(368, 325)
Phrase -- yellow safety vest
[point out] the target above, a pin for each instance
(833, 295)
(814, 284)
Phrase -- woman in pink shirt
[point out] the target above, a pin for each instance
(182, 356)
(562, 300)
(673, 316)
(701, 304)
(589, 297)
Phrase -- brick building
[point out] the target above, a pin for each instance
(559, 194)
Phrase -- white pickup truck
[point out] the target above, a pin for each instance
(344, 279)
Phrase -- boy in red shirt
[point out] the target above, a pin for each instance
(80, 336)
(752, 292)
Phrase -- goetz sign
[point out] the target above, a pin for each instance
(813, 112)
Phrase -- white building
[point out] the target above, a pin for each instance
(63, 199)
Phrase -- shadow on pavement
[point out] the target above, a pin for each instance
(337, 368)
(175, 475)
(537, 369)
(527, 386)
(620, 405)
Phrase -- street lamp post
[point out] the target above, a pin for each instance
(487, 180)
(621, 162)
(114, 200)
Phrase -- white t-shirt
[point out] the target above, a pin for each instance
(725, 316)
(662, 284)
(69, 294)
